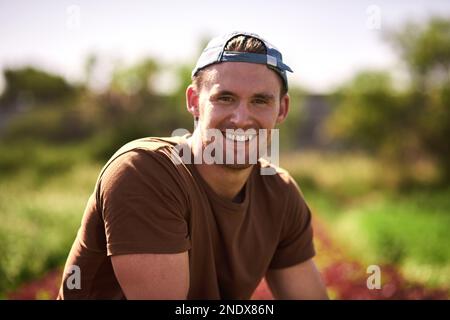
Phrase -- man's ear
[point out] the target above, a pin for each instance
(192, 101)
(284, 108)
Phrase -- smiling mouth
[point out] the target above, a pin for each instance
(239, 137)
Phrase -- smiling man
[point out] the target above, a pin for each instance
(160, 227)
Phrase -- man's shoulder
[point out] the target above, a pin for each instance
(278, 178)
(274, 173)
(150, 144)
(150, 155)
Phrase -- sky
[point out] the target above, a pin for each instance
(324, 42)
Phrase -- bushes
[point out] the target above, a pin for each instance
(42, 199)
(373, 218)
(402, 230)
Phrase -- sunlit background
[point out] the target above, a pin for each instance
(366, 137)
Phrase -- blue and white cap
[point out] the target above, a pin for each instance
(215, 53)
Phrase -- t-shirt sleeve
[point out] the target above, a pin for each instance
(296, 240)
(143, 206)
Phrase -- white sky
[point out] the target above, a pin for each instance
(324, 42)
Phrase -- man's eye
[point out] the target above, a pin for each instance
(225, 99)
(259, 101)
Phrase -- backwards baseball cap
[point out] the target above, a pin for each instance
(215, 53)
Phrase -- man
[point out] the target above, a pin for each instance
(159, 227)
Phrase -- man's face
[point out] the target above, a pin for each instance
(238, 95)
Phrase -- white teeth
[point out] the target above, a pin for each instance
(239, 137)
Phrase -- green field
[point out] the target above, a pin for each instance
(43, 192)
(373, 219)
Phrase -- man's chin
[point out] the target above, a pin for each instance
(235, 166)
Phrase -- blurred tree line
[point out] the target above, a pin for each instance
(395, 123)
(46, 108)
(369, 112)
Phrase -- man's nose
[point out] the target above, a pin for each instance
(241, 116)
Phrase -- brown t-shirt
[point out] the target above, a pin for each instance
(144, 202)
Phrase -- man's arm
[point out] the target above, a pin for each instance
(153, 276)
(302, 281)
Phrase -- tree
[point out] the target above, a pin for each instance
(425, 50)
(371, 113)
(34, 86)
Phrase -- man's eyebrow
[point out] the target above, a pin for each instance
(266, 96)
(224, 93)
(261, 95)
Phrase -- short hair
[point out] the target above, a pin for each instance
(240, 43)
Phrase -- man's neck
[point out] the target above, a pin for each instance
(226, 182)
